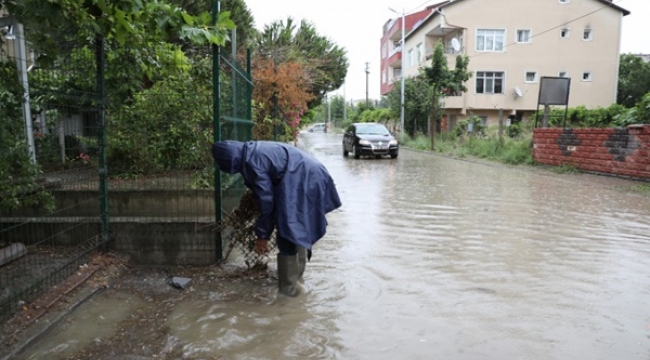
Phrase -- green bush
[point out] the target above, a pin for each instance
(514, 130)
(580, 116)
(167, 127)
(19, 186)
(421, 142)
(488, 146)
(462, 127)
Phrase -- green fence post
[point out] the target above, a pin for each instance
(103, 171)
(249, 87)
(216, 115)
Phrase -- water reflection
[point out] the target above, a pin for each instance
(455, 259)
(284, 328)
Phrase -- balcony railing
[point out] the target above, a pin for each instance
(448, 51)
(395, 51)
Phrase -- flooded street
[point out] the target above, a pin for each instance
(433, 258)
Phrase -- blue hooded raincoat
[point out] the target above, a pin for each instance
(294, 190)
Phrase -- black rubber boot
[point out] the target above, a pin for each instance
(302, 263)
(288, 274)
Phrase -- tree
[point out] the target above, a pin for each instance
(281, 94)
(358, 110)
(53, 23)
(337, 107)
(444, 82)
(239, 14)
(324, 63)
(417, 104)
(633, 80)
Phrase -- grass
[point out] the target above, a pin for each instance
(488, 146)
(565, 169)
(642, 189)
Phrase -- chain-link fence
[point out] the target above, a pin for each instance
(92, 151)
(50, 155)
(239, 228)
(234, 114)
(160, 131)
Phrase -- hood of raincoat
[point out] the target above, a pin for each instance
(229, 156)
(294, 190)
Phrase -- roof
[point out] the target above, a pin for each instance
(606, 2)
(452, 2)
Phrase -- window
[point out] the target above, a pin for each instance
(563, 74)
(489, 82)
(418, 50)
(531, 76)
(587, 35)
(384, 75)
(565, 32)
(490, 40)
(384, 50)
(523, 36)
(586, 76)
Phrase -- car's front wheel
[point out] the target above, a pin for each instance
(345, 152)
(355, 152)
(393, 156)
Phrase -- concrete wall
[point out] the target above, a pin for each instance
(622, 152)
(154, 227)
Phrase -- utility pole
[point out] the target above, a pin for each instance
(402, 77)
(367, 73)
(345, 105)
(329, 110)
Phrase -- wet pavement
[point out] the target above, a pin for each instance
(429, 258)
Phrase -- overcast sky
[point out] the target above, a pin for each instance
(356, 25)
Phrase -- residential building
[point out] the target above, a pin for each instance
(391, 49)
(512, 44)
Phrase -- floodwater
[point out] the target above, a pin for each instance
(435, 258)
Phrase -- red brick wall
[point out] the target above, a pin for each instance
(623, 152)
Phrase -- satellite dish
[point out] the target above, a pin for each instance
(518, 92)
(455, 44)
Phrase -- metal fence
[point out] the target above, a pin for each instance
(161, 207)
(234, 114)
(94, 155)
(50, 152)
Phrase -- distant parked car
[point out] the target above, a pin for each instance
(318, 127)
(371, 139)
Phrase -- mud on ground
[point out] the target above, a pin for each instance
(144, 333)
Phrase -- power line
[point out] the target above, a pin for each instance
(553, 28)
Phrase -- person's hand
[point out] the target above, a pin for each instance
(261, 246)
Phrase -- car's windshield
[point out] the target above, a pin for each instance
(372, 129)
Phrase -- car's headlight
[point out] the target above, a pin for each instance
(364, 142)
(393, 142)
